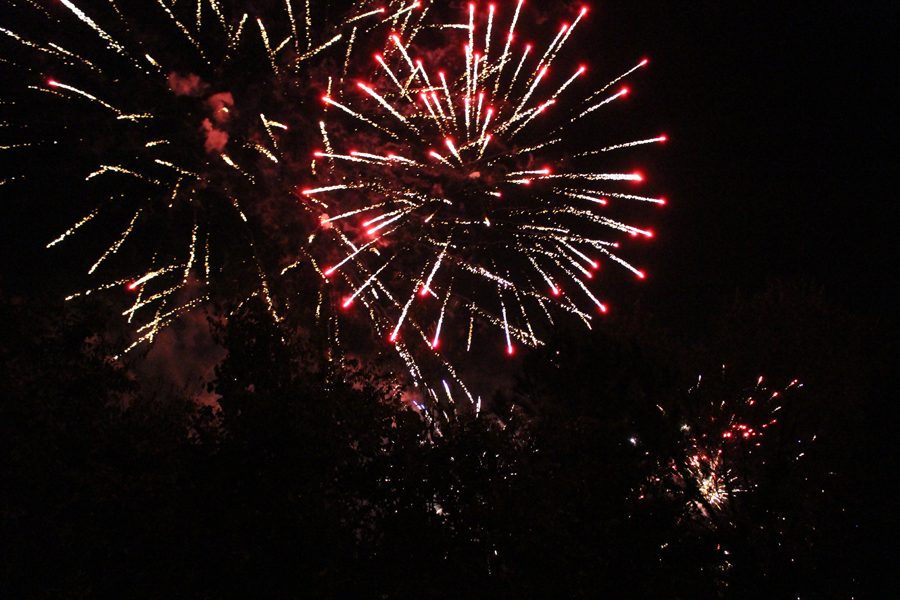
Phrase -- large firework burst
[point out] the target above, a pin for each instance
(451, 195)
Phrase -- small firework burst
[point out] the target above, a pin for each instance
(721, 439)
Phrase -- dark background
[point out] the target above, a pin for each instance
(782, 126)
(783, 139)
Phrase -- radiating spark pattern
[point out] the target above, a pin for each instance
(189, 163)
(720, 436)
(468, 211)
(450, 207)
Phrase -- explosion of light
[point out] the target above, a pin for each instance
(466, 207)
(168, 176)
(712, 467)
(469, 210)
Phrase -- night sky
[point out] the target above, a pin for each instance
(782, 136)
(779, 168)
(783, 146)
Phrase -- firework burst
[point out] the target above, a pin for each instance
(721, 449)
(180, 121)
(451, 198)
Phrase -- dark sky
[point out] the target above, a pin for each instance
(783, 126)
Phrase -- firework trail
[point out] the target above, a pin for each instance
(451, 194)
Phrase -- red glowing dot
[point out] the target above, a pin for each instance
(306, 192)
(326, 99)
(625, 91)
(603, 309)
(393, 337)
(663, 137)
(644, 62)
(648, 233)
(662, 201)
(133, 286)
(329, 271)
(423, 291)
(528, 47)
(556, 291)
(641, 275)
(581, 69)
(316, 154)
(435, 344)
(638, 176)
(584, 10)
(510, 350)
(52, 82)
(347, 302)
